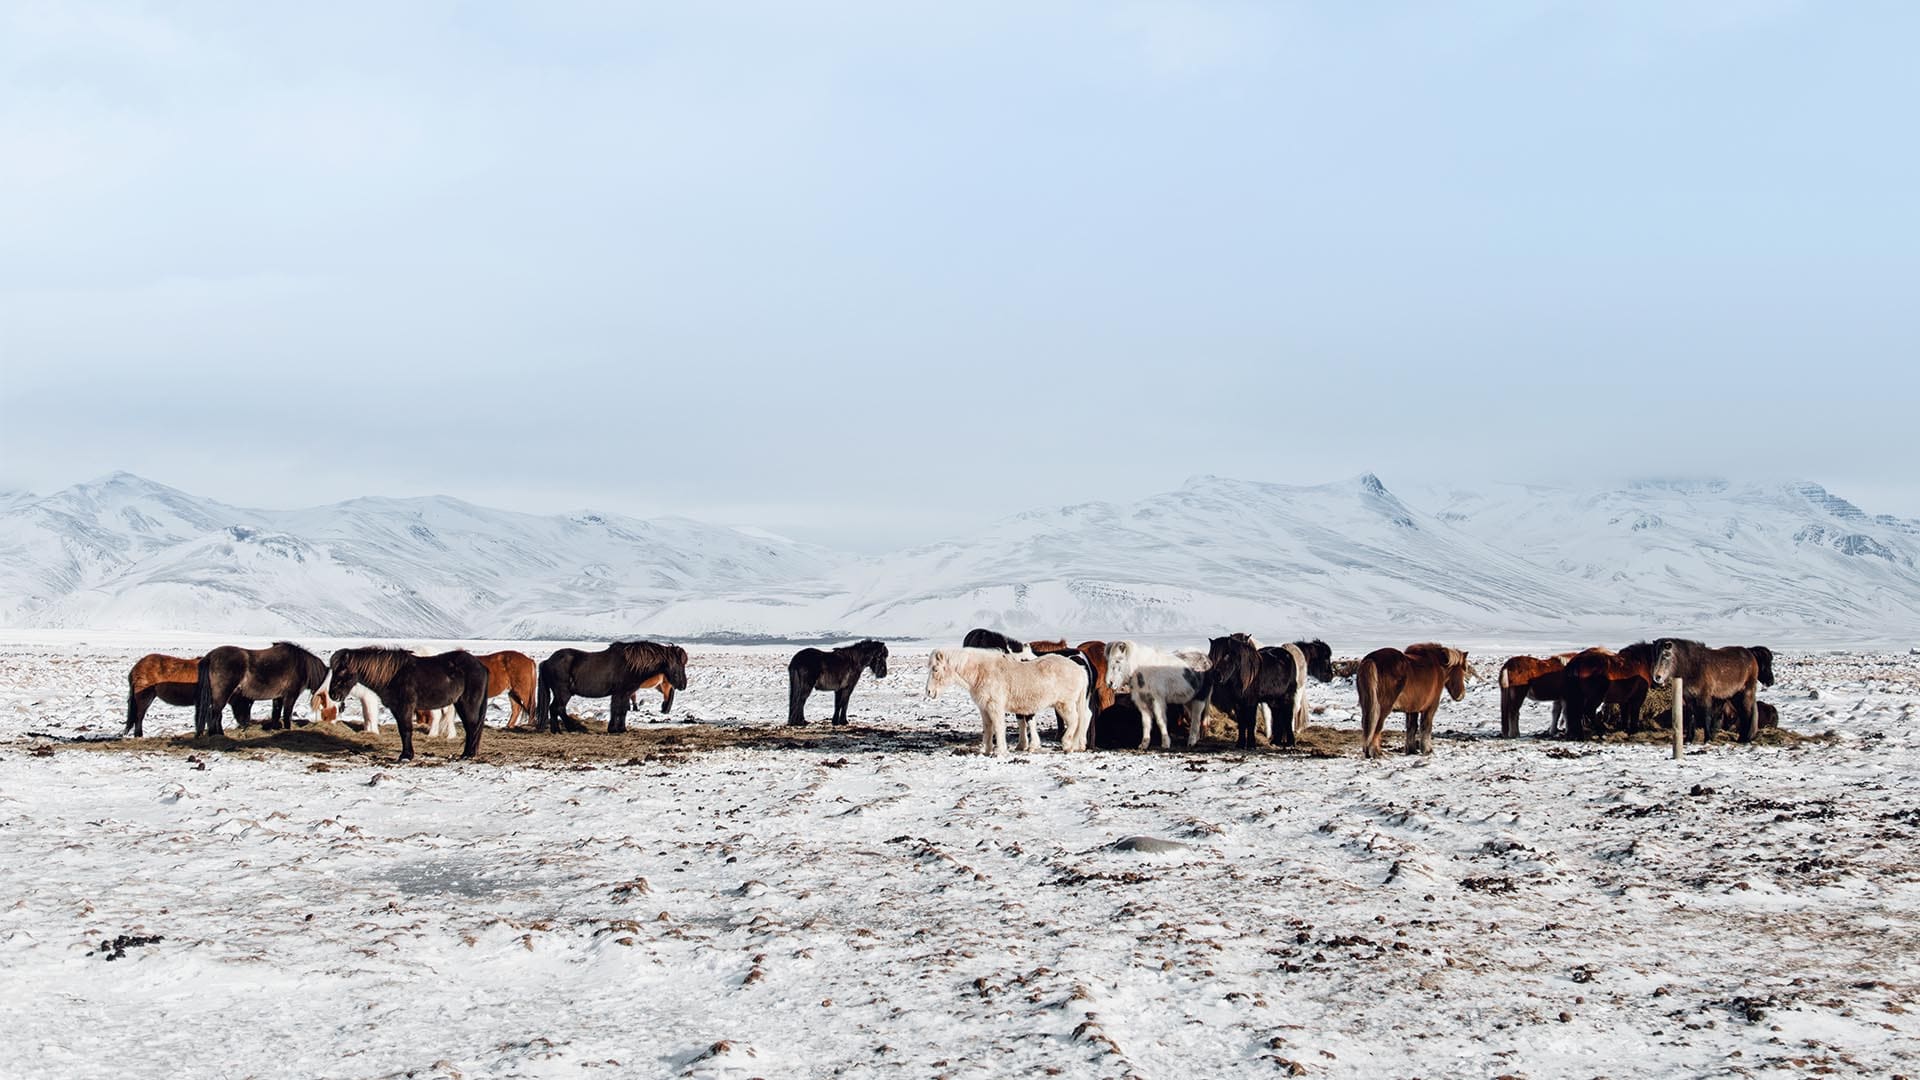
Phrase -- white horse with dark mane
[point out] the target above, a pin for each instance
(1158, 680)
(1001, 683)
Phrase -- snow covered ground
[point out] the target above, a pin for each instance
(730, 899)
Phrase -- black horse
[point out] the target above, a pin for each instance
(407, 683)
(281, 672)
(838, 671)
(993, 639)
(1240, 678)
(614, 672)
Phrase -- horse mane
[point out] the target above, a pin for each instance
(377, 661)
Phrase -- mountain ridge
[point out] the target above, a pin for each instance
(1348, 556)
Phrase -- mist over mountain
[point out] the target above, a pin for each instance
(1783, 562)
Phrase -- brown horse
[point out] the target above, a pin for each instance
(1391, 681)
(510, 673)
(1733, 673)
(1531, 677)
(1597, 677)
(1096, 654)
(172, 679)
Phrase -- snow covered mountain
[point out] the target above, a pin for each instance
(126, 552)
(1784, 563)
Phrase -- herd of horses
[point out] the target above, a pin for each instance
(1089, 687)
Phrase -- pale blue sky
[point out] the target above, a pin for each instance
(868, 272)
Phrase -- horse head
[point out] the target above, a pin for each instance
(676, 667)
(1119, 664)
(1458, 671)
(325, 707)
(1319, 659)
(876, 657)
(1229, 661)
(1665, 659)
(342, 674)
(939, 673)
(1763, 656)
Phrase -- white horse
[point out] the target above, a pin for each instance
(329, 710)
(1157, 680)
(1001, 683)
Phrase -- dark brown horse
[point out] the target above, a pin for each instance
(409, 684)
(281, 672)
(1391, 681)
(614, 672)
(837, 670)
(1535, 678)
(1734, 673)
(1242, 677)
(174, 680)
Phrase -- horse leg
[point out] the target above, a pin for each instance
(1152, 716)
(1750, 712)
(402, 710)
(1713, 714)
(1413, 733)
(137, 704)
(1559, 719)
(1196, 719)
(1511, 698)
(1080, 723)
(1286, 729)
(472, 718)
(617, 707)
(1263, 722)
(840, 699)
(798, 690)
(1426, 728)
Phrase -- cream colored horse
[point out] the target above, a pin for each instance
(1001, 683)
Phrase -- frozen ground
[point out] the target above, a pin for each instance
(706, 902)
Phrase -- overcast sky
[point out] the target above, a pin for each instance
(867, 272)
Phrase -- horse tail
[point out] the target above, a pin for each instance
(1366, 684)
(545, 697)
(132, 706)
(797, 692)
(203, 714)
(520, 702)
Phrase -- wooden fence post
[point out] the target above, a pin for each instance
(1679, 717)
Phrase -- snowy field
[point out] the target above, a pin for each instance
(729, 898)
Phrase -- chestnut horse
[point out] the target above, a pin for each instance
(1733, 673)
(1096, 654)
(281, 671)
(1390, 681)
(1532, 677)
(510, 673)
(1597, 677)
(174, 680)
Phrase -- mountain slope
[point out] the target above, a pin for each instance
(1351, 559)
